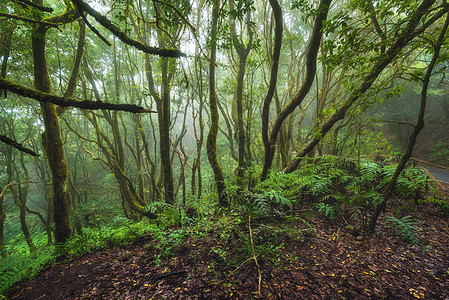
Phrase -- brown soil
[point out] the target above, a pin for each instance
(328, 262)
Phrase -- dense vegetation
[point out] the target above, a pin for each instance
(165, 118)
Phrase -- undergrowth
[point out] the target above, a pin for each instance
(346, 191)
(343, 190)
(20, 264)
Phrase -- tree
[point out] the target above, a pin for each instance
(51, 138)
(211, 143)
(311, 57)
(411, 30)
(417, 128)
(242, 13)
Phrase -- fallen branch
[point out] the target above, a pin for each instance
(434, 179)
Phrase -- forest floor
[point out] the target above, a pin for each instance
(297, 261)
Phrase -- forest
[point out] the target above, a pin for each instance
(224, 149)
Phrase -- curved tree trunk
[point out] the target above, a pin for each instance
(410, 31)
(269, 147)
(419, 126)
(211, 143)
(311, 58)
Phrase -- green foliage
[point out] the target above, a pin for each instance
(165, 242)
(326, 209)
(342, 187)
(440, 153)
(20, 265)
(120, 230)
(262, 203)
(405, 228)
(412, 182)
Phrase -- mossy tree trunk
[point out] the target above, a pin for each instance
(2, 222)
(242, 51)
(51, 138)
(211, 143)
(6, 52)
(52, 141)
(269, 147)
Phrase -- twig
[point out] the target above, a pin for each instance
(254, 254)
(254, 257)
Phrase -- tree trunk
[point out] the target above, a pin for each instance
(52, 141)
(211, 143)
(269, 147)
(7, 49)
(2, 223)
(164, 132)
(311, 58)
(22, 200)
(242, 52)
(418, 127)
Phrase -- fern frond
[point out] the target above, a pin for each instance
(405, 228)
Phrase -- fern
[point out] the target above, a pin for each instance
(326, 209)
(278, 198)
(264, 203)
(261, 204)
(405, 228)
(23, 265)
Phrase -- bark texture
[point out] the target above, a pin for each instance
(211, 142)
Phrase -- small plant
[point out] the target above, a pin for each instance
(326, 209)
(405, 228)
(165, 242)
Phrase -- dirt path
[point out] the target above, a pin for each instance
(327, 262)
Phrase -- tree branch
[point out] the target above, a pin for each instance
(28, 20)
(81, 6)
(30, 3)
(68, 102)
(16, 145)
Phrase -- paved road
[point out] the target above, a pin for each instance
(439, 174)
